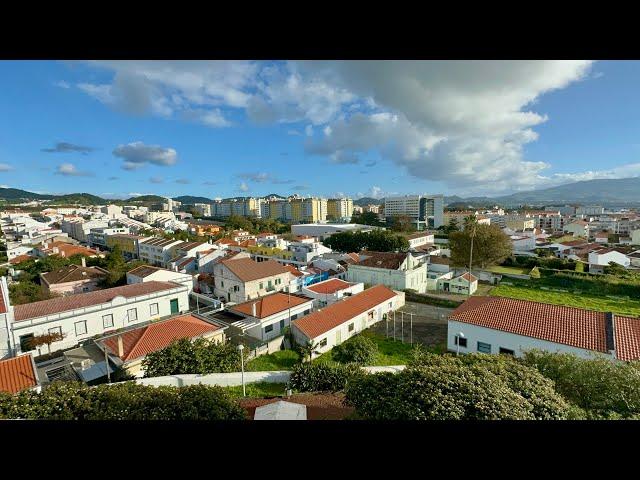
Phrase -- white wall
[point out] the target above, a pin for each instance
(258, 331)
(415, 279)
(511, 341)
(185, 279)
(321, 299)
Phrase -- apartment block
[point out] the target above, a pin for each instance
(424, 210)
(340, 209)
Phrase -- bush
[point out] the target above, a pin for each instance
(198, 357)
(357, 349)
(320, 377)
(125, 401)
(436, 387)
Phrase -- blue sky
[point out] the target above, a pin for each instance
(220, 129)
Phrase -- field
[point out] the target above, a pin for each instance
(258, 390)
(591, 302)
(390, 352)
(281, 360)
(507, 270)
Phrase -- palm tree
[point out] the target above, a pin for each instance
(470, 224)
(308, 350)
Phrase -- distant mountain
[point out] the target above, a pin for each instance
(189, 199)
(145, 199)
(364, 201)
(17, 194)
(78, 198)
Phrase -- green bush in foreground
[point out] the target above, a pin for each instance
(125, 401)
(475, 387)
(319, 377)
(358, 349)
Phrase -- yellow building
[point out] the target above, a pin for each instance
(273, 252)
(338, 208)
(308, 210)
(128, 244)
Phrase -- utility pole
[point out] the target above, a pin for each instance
(402, 326)
(394, 326)
(411, 328)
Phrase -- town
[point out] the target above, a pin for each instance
(290, 303)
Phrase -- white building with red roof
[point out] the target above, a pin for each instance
(330, 291)
(506, 325)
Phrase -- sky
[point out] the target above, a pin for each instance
(328, 128)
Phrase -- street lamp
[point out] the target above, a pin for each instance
(241, 347)
(460, 335)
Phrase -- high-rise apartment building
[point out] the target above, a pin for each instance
(424, 210)
(340, 209)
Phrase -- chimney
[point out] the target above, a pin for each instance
(253, 309)
(609, 329)
(84, 262)
(120, 347)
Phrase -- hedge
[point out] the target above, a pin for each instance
(321, 377)
(358, 349)
(412, 296)
(123, 401)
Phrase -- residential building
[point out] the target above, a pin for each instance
(635, 237)
(602, 237)
(84, 315)
(129, 244)
(332, 325)
(201, 230)
(509, 326)
(460, 284)
(308, 210)
(566, 210)
(518, 222)
(147, 273)
(111, 211)
(419, 239)
(425, 211)
(72, 279)
(399, 271)
(97, 237)
(239, 280)
(371, 208)
(158, 251)
(323, 230)
(203, 209)
(590, 210)
(78, 228)
(266, 317)
(127, 349)
(340, 209)
(18, 374)
(331, 291)
(605, 255)
(64, 249)
(578, 228)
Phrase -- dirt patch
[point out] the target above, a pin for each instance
(320, 406)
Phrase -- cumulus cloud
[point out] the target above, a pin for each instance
(5, 167)
(243, 187)
(183, 181)
(65, 147)
(137, 154)
(70, 170)
(62, 84)
(156, 180)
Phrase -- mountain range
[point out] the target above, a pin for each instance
(607, 192)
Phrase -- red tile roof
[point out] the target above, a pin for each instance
(248, 270)
(141, 341)
(20, 259)
(294, 271)
(270, 304)
(627, 337)
(81, 300)
(329, 286)
(17, 374)
(555, 323)
(321, 321)
(3, 306)
(469, 277)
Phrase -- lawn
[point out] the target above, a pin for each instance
(591, 302)
(390, 352)
(514, 270)
(258, 390)
(280, 360)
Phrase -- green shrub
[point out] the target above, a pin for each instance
(124, 401)
(357, 349)
(319, 377)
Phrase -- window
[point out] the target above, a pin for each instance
(236, 288)
(261, 286)
(132, 314)
(370, 315)
(293, 317)
(281, 324)
(25, 343)
(107, 321)
(221, 283)
(460, 341)
(484, 347)
(351, 327)
(55, 330)
(153, 309)
(323, 342)
(85, 289)
(268, 328)
(390, 304)
(307, 312)
(506, 351)
(81, 327)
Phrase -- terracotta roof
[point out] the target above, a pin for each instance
(354, 256)
(574, 243)
(3, 306)
(555, 323)
(81, 300)
(247, 269)
(321, 321)
(73, 273)
(439, 260)
(329, 286)
(270, 304)
(158, 335)
(17, 374)
(226, 241)
(68, 250)
(627, 337)
(386, 260)
(294, 271)
(469, 277)
(20, 259)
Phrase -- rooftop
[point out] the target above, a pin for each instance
(329, 287)
(74, 273)
(248, 270)
(17, 374)
(270, 304)
(385, 260)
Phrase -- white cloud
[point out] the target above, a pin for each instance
(308, 131)
(5, 167)
(243, 187)
(62, 84)
(70, 170)
(137, 154)
(156, 180)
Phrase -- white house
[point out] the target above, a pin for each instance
(509, 326)
(239, 280)
(340, 321)
(84, 315)
(635, 237)
(579, 228)
(399, 271)
(330, 291)
(523, 243)
(419, 239)
(146, 273)
(158, 251)
(460, 284)
(267, 317)
(606, 255)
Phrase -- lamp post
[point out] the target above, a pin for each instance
(460, 335)
(241, 348)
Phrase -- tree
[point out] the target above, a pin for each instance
(358, 349)
(308, 350)
(402, 223)
(366, 218)
(377, 240)
(615, 269)
(490, 246)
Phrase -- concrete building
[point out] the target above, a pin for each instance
(203, 209)
(146, 273)
(340, 209)
(78, 229)
(331, 291)
(239, 280)
(590, 210)
(158, 251)
(97, 237)
(425, 211)
(323, 230)
(340, 321)
(604, 256)
(578, 228)
(399, 271)
(72, 279)
(419, 239)
(504, 325)
(129, 244)
(460, 284)
(84, 315)
(111, 211)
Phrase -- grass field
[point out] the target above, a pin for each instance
(514, 270)
(281, 360)
(390, 352)
(591, 302)
(258, 390)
